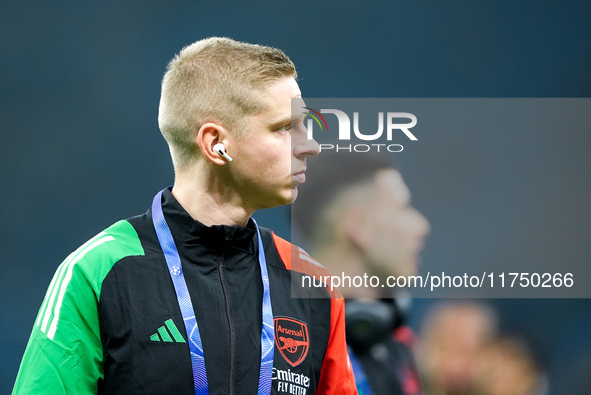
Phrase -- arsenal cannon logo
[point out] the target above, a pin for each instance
(291, 338)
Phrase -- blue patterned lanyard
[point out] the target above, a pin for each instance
(182, 293)
(361, 380)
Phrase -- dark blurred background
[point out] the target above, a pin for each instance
(79, 91)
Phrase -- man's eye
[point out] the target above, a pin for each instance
(285, 128)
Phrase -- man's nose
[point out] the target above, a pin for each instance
(303, 146)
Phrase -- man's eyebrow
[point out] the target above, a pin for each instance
(281, 123)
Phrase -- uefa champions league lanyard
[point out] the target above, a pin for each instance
(182, 293)
(361, 380)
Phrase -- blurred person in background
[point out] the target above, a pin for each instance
(510, 365)
(453, 336)
(356, 212)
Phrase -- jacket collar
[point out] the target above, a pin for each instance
(189, 232)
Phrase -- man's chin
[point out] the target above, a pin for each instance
(282, 199)
(293, 194)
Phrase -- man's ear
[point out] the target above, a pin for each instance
(355, 226)
(209, 135)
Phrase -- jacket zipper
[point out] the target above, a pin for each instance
(231, 329)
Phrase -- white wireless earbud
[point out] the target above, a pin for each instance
(220, 149)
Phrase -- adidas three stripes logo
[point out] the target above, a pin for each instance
(172, 335)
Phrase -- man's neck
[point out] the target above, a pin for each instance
(209, 202)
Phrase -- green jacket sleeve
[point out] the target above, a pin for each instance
(65, 353)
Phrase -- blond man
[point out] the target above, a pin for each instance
(194, 297)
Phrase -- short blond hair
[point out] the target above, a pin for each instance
(215, 80)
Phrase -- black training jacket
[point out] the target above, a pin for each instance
(110, 321)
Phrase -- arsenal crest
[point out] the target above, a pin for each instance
(291, 339)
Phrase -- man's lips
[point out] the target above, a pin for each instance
(299, 177)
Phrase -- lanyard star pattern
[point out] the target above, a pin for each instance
(175, 270)
(361, 380)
